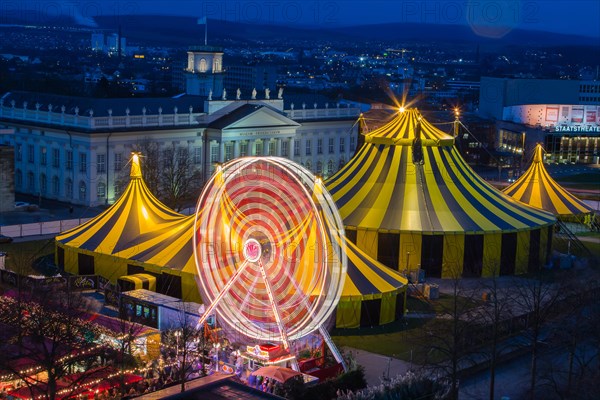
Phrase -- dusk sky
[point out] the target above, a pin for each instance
(486, 17)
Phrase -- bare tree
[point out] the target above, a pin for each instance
(448, 339)
(170, 173)
(150, 164)
(127, 332)
(187, 338)
(492, 315)
(179, 178)
(56, 338)
(576, 329)
(537, 298)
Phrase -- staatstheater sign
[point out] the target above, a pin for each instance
(577, 128)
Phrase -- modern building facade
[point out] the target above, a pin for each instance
(563, 115)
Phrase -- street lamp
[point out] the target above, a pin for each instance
(217, 346)
(177, 335)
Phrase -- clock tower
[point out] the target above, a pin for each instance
(204, 72)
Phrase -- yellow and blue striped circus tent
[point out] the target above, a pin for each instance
(137, 234)
(408, 199)
(537, 189)
(373, 294)
(139, 238)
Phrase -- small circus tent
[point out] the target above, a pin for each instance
(373, 294)
(136, 235)
(537, 189)
(408, 199)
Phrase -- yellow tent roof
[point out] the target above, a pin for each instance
(131, 220)
(409, 177)
(537, 189)
(367, 277)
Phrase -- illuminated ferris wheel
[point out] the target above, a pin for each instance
(268, 249)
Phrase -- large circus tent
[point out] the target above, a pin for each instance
(138, 238)
(537, 189)
(409, 200)
(136, 235)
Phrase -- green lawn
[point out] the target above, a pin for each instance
(393, 340)
(27, 257)
(589, 234)
(562, 247)
(401, 339)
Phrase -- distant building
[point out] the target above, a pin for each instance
(564, 115)
(249, 77)
(497, 93)
(98, 41)
(109, 44)
(7, 175)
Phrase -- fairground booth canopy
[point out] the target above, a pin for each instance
(141, 243)
(136, 235)
(409, 200)
(537, 189)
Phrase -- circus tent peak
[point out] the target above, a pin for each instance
(136, 168)
(536, 188)
(135, 215)
(408, 126)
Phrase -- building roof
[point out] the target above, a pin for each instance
(221, 389)
(537, 189)
(100, 106)
(309, 99)
(244, 111)
(409, 177)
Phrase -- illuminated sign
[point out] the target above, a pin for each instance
(257, 351)
(577, 128)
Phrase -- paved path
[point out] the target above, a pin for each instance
(378, 366)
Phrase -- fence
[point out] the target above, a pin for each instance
(41, 228)
(70, 283)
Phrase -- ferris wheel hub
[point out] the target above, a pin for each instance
(252, 250)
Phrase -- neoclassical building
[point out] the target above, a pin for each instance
(73, 149)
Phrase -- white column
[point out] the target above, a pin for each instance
(291, 148)
(221, 151)
(266, 143)
(251, 144)
(278, 147)
(236, 149)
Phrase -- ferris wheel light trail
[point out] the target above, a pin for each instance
(268, 251)
(226, 289)
(275, 311)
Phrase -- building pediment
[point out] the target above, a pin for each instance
(253, 116)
